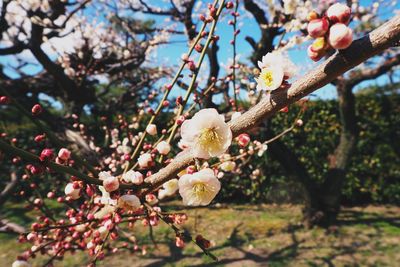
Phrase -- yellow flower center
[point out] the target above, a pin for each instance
(266, 76)
(199, 188)
(200, 191)
(319, 44)
(209, 139)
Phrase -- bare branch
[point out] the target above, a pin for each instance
(368, 74)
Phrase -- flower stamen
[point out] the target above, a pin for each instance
(209, 139)
(267, 76)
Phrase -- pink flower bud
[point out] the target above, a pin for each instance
(151, 129)
(204, 243)
(179, 100)
(198, 47)
(179, 242)
(299, 122)
(47, 154)
(39, 138)
(317, 27)
(165, 103)
(339, 13)
(111, 184)
(229, 5)
(213, 11)
(192, 65)
(89, 190)
(64, 154)
(340, 36)
(31, 236)
(151, 199)
(37, 109)
(180, 120)
(285, 109)
(4, 100)
(243, 140)
(38, 202)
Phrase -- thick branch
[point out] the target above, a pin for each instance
(257, 12)
(372, 44)
(268, 33)
(343, 60)
(15, 49)
(369, 74)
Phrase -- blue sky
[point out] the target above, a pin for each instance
(248, 27)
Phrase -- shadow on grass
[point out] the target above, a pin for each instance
(379, 227)
(352, 217)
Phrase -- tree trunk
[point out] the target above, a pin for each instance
(324, 204)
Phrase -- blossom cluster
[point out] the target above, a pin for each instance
(329, 31)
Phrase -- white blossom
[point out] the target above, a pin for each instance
(207, 134)
(124, 148)
(228, 166)
(105, 198)
(70, 191)
(163, 148)
(129, 202)
(169, 188)
(200, 188)
(151, 129)
(110, 183)
(144, 160)
(20, 263)
(133, 177)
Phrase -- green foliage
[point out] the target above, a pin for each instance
(373, 174)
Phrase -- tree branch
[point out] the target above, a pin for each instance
(370, 45)
(368, 74)
(9, 188)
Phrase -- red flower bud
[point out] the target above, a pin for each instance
(243, 139)
(46, 155)
(179, 100)
(204, 243)
(180, 120)
(198, 47)
(229, 5)
(64, 154)
(37, 109)
(4, 100)
(36, 169)
(39, 138)
(192, 66)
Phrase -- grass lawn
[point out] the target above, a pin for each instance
(256, 236)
